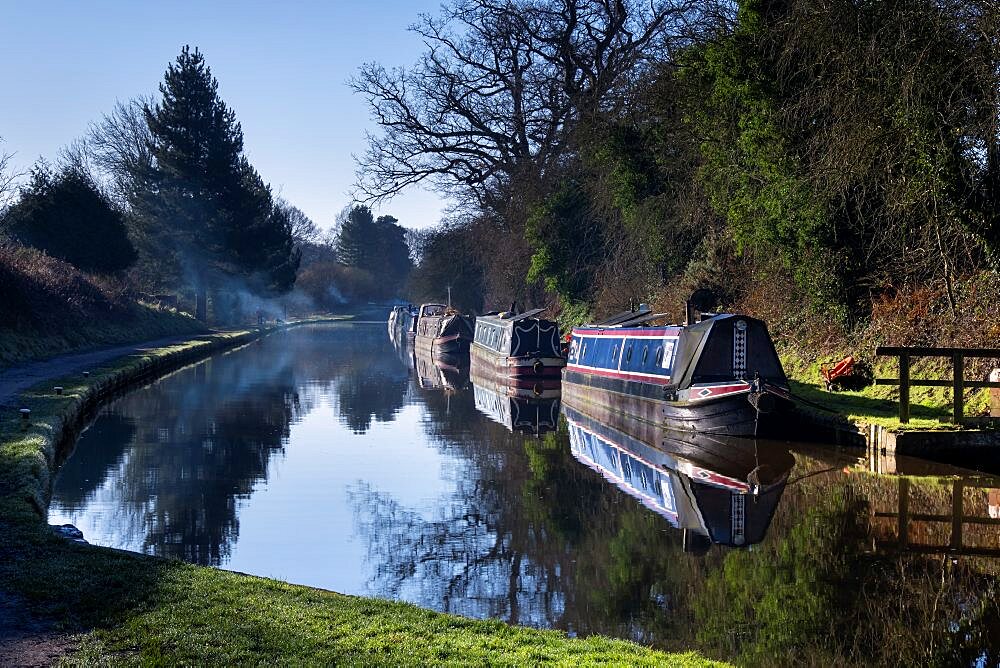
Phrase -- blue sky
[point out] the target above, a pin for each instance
(282, 66)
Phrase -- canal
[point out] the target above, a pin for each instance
(327, 457)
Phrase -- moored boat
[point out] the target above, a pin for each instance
(519, 348)
(718, 489)
(403, 321)
(718, 376)
(442, 331)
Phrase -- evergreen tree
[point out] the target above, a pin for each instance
(66, 215)
(213, 211)
(357, 231)
(377, 246)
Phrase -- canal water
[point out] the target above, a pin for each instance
(328, 457)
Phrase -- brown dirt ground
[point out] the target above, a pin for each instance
(28, 641)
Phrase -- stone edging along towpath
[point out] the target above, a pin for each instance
(55, 419)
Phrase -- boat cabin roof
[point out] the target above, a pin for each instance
(432, 309)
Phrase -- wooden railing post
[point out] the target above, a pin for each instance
(958, 387)
(904, 388)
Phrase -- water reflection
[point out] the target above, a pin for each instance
(320, 457)
(716, 489)
(531, 410)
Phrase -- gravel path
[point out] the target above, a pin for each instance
(15, 380)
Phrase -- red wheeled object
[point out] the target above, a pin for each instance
(831, 372)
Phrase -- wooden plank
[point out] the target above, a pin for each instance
(645, 317)
(615, 319)
(930, 382)
(528, 314)
(941, 549)
(958, 388)
(918, 351)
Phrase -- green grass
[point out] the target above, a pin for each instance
(134, 609)
(144, 323)
(930, 407)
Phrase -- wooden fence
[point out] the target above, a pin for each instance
(958, 382)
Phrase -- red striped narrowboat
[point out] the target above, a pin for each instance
(519, 349)
(718, 376)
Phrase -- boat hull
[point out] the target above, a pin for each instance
(731, 414)
(520, 371)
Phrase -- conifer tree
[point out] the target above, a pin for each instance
(213, 211)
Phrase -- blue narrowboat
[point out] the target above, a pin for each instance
(718, 376)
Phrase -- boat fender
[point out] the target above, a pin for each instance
(764, 401)
(538, 366)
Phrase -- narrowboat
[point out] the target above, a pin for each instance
(521, 348)
(717, 376)
(717, 489)
(533, 410)
(443, 331)
(403, 321)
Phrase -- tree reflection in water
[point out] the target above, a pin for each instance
(201, 439)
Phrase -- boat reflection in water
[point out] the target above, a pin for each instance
(718, 489)
(528, 410)
(440, 372)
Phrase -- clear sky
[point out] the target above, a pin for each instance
(282, 66)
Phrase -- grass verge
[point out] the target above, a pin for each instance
(137, 609)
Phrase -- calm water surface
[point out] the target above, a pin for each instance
(324, 456)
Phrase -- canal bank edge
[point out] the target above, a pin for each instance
(131, 607)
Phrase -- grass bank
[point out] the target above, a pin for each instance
(136, 609)
(49, 307)
(930, 407)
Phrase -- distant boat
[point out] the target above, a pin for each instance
(443, 331)
(521, 348)
(402, 322)
(533, 410)
(718, 489)
(718, 376)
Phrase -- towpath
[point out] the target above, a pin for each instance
(26, 640)
(16, 379)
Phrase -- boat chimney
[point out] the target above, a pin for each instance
(691, 314)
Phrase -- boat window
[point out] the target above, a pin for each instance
(628, 354)
(659, 355)
(614, 353)
(583, 351)
(645, 353)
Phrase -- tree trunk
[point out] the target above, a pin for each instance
(201, 304)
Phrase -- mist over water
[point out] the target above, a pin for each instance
(320, 456)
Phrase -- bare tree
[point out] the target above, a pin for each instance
(496, 95)
(119, 145)
(8, 178)
(304, 230)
